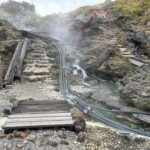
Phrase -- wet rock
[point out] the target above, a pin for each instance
(79, 125)
(115, 68)
(90, 81)
(106, 96)
(64, 142)
(81, 137)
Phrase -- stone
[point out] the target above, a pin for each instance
(64, 142)
(81, 137)
(31, 138)
(136, 90)
(20, 145)
(79, 125)
(8, 145)
(52, 143)
(114, 68)
(10, 136)
(62, 136)
(2, 135)
(148, 24)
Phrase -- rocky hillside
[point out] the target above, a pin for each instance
(108, 39)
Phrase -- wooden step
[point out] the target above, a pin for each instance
(39, 114)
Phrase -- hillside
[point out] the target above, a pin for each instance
(106, 63)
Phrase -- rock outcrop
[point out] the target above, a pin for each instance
(135, 89)
(115, 68)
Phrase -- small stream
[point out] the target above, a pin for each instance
(112, 115)
(105, 85)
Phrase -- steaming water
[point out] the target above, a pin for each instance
(84, 74)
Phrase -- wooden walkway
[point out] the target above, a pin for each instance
(39, 114)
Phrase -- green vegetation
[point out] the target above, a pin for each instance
(131, 8)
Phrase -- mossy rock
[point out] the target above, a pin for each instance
(8, 33)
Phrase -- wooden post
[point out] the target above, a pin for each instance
(21, 58)
(1, 75)
(13, 65)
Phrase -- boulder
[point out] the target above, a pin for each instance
(79, 125)
(136, 90)
(114, 68)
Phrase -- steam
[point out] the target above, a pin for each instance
(46, 7)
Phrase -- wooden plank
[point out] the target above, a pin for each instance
(38, 119)
(40, 112)
(42, 106)
(1, 75)
(21, 58)
(37, 124)
(41, 102)
(13, 65)
(40, 115)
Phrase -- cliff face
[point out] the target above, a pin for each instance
(14, 8)
(103, 41)
(8, 41)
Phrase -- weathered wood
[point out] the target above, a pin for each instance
(41, 102)
(54, 114)
(19, 110)
(40, 115)
(38, 119)
(1, 75)
(57, 107)
(37, 124)
(13, 65)
(40, 112)
(21, 58)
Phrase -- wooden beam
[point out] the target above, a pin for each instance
(21, 58)
(37, 124)
(1, 75)
(13, 65)
(58, 114)
(33, 119)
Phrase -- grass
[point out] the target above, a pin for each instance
(131, 8)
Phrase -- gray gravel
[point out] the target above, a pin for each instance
(26, 90)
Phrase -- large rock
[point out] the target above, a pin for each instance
(115, 68)
(136, 89)
(141, 40)
(9, 33)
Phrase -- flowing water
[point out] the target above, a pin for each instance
(113, 115)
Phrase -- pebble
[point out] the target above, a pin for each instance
(62, 136)
(31, 138)
(64, 142)
(52, 143)
(20, 145)
(10, 136)
(81, 137)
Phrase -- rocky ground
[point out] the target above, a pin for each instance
(95, 139)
